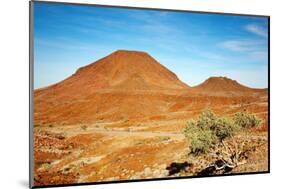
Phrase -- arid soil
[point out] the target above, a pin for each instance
(122, 118)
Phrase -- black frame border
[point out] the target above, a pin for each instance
(31, 89)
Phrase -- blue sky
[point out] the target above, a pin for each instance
(192, 45)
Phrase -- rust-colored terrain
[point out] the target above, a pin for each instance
(122, 118)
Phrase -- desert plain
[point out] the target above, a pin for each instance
(122, 118)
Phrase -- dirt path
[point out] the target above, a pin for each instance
(126, 133)
(138, 133)
(74, 130)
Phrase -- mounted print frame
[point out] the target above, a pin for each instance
(126, 94)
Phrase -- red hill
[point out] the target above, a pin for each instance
(116, 86)
(122, 70)
(224, 85)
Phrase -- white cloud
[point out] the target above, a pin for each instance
(258, 30)
(252, 50)
(241, 45)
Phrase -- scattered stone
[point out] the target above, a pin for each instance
(134, 177)
(112, 178)
(162, 166)
(147, 171)
(139, 174)
(164, 173)
(156, 173)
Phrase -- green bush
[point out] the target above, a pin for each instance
(201, 138)
(209, 129)
(202, 141)
(207, 119)
(223, 128)
(246, 120)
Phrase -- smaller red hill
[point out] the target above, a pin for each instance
(219, 85)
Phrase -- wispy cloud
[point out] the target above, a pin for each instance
(256, 29)
(254, 51)
(241, 45)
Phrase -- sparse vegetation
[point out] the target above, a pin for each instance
(140, 142)
(210, 129)
(84, 127)
(209, 135)
(224, 128)
(163, 138)
(246, 120)
(46, 166)
(201, 138)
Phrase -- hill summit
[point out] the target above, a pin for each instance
(130, 69)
